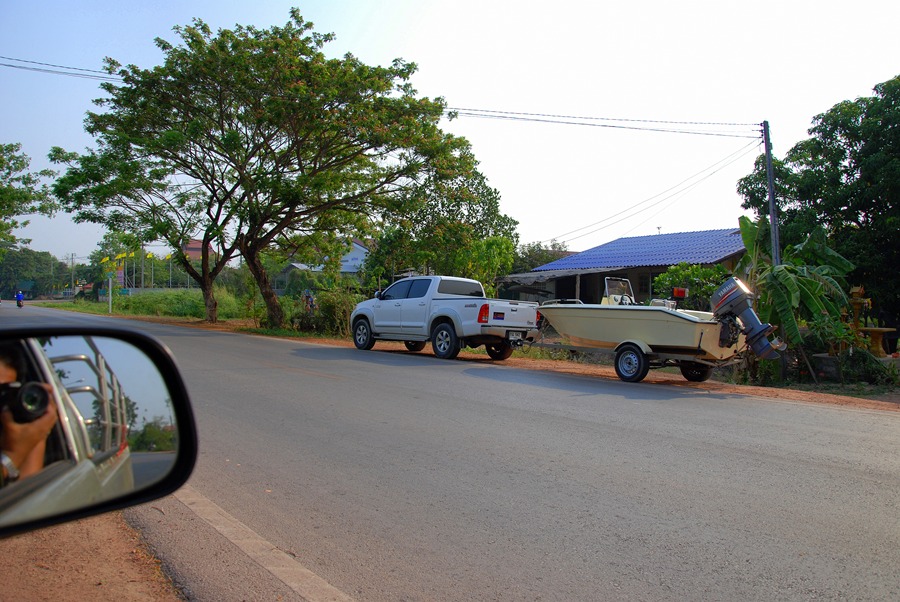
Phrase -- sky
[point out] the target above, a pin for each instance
(629, 71)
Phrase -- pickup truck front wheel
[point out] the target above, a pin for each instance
(362, 335)
(499, 351)
(444, 341)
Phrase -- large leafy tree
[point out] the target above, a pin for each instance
(248, 138)
(846, 178)
(449, 225)
(21, 192)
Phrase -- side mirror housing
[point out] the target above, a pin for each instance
(122, 431)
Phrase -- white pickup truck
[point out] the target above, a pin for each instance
(452, 313)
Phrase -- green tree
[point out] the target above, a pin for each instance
(21, 192)
(155, 435)
(846, 178)
(249, 136)
(701, 282)
(450, 226)
(535, 254)
(46, 273)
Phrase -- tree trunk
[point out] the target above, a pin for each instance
(209, 300)
(204, 280)
(274, 313)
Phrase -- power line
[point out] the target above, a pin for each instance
(52, 69)
(677, 193)
(738, 153)
(650, 125)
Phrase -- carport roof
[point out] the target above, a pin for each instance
(705, 247)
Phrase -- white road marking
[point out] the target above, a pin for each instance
(281, 565)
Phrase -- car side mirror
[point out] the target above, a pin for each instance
(114, 421)
(378, 295)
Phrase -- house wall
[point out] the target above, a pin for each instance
(352, 261)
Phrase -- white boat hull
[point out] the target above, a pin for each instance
(662, 330)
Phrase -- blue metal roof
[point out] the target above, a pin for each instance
(705, 247)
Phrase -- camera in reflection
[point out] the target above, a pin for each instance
(27, 401)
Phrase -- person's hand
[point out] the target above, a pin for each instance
(25, 443)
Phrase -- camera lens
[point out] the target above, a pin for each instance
(30, 404)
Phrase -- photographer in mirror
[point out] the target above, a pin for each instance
(27, 417)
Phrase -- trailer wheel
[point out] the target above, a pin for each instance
(362, 335)
(696, 373)
(444, 341)
(632, 364)
(499, 351)
(414, 345)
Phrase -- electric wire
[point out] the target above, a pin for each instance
(649, 125)
(675, 196)
(52, 69)
(738, 154)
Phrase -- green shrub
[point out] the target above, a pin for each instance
(858, 365)
(333, 309)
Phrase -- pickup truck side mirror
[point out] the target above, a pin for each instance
(114, 421)
(378, 295)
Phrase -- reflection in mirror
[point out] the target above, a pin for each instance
(84, 420)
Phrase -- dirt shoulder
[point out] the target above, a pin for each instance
(104, 559)
(99, 558)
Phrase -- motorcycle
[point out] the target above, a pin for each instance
(20, 303)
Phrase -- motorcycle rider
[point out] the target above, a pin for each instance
(20, 298)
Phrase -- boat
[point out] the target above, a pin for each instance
(660, 334)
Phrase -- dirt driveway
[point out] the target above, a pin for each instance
(105, 559)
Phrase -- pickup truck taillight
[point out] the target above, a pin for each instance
(484, 313)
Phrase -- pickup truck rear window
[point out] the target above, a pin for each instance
(460, 287)
(419, 288)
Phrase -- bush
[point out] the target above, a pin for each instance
(858, 365)
(333, 311)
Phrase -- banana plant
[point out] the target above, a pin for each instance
(807, 285)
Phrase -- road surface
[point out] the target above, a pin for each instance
(329, 471)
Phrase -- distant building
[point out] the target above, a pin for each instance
(194, 250)
(351, 262)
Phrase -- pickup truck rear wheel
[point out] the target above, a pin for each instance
(632, 364)
(444, 341)
(499, 351)
(362, 335)
(696, 373)
(414, 345)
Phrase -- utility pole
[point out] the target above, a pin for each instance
(773, 208)
(773, 219)
(73, 274)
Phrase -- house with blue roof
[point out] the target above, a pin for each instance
(639, 258)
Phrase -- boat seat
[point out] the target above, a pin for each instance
(622, 300)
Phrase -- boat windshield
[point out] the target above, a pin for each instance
(618, 286)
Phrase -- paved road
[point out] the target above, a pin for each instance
(398, 476)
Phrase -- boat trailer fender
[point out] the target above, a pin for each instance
(644, 346)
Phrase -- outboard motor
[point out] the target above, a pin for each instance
(733, 299)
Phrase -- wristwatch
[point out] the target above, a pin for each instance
(12, 472)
